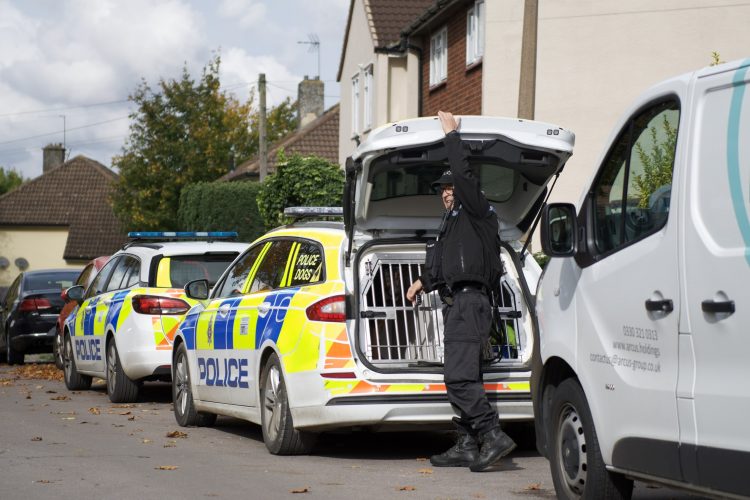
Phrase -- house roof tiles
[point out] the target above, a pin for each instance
(318, 138)
(75, 194)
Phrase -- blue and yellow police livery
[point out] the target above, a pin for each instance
(310, 328)
(124, 325)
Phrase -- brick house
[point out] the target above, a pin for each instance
(589, 60)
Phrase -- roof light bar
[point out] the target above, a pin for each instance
(304, 212)
(177, 235)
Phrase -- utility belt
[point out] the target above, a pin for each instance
(448, 293)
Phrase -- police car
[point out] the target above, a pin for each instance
(310, 328)
(123, 327)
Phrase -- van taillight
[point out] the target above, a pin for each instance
(328, 309)
(29, 305)
(150, 304)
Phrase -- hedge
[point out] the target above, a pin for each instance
(221, 206)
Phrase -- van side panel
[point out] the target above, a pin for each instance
(716, 273)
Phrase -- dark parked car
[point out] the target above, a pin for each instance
(30, 310)
(84, 279)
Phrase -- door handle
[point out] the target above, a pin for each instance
(718, 307)
(665, 306)
(264, 308)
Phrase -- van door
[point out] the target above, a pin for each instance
(716, 365)
(627, 295)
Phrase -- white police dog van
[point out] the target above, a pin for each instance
(645, 321)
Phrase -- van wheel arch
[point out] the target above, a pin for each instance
(555, 371)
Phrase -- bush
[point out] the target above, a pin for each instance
(221, 206)
(299, 182)
(541, 259)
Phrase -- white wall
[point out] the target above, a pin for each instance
(596, 56)
(360, 52)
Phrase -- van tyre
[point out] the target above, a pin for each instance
(11, 355)
(279, 434)
(575, 458)
(120, 388)
(182, 394)
(74, 381)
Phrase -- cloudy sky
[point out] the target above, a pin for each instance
(68, 66)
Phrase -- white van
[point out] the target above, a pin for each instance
(645, 320)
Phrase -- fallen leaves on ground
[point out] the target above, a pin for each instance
(167, 467)
(425, 471)
(6, 382)
(124, 413)
(60, 398)
(38, 371)
(132, 417)
(36, 438)
(145, 441)
(123, 406)
(306, 489)
(407, 488)
(421, 459)
(170, 444)
(177, 434)
(94, 411)
(534, 487)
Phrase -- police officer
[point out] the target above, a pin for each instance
(463, 264)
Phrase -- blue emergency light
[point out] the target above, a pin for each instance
(182, 235)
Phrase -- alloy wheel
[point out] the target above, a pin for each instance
(272, 403)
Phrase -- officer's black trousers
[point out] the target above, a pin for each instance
(467, 326)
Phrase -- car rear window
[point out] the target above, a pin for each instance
(51, 281)
(496, 181)
(177, 271)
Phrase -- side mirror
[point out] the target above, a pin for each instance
(197, 289)
(74, 293)
(559, 229)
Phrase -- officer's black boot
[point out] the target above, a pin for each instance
(462, 454)
(495, 444)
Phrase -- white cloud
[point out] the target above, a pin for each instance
(239, 66)
(247, 12)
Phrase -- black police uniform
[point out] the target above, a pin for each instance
(463, 264)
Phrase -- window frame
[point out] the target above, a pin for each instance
(355, 105)
(367, 115)
(111, 262)
(475, 33)
(223, 278)
(439, 57)
(293, 239)
(591, 253)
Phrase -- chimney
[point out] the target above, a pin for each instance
(54, 156)
(309, 100)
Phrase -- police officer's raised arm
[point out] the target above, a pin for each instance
(465, 183)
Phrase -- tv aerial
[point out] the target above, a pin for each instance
(314, 42)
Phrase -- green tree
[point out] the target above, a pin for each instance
(657, 163)
(9, 179)
(298, 182)
(182, 132)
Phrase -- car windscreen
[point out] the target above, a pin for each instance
(176, 271)
(496, 181)
(58, 280)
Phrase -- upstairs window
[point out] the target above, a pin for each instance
(475, 33)
(367, 125)
(355, 105)
(439, 57)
